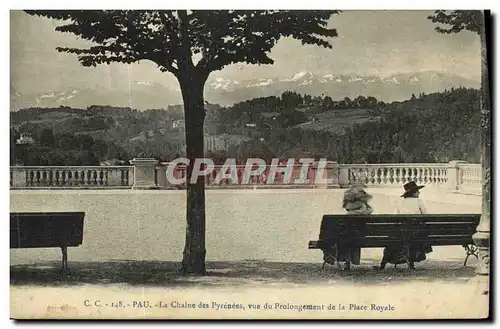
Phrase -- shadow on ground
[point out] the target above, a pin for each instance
(231, 274)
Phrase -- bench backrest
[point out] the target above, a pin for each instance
(45, 230)
(386, 229)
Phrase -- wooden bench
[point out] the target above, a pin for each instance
(47, 230)
(379, 231)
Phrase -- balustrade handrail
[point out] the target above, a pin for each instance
(165, 164)
(470, 165)
(70, 167)
(440, 164)
(394, 165)
(313, 165)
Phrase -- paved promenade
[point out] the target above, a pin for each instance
(273, 225)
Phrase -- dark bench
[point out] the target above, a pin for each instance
(378, 231)
(47, 230)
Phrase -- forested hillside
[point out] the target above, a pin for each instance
(438, 127)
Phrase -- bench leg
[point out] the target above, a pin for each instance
(471, 250)
(465, 261)
(324, 265)
(64, 262)
(331, 258)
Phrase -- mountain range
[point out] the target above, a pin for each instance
(148, 94)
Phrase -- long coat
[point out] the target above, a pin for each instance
(353, 254)
(348, 253)
(398, 254)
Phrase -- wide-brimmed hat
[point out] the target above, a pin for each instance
(410, 188)
(356, 193)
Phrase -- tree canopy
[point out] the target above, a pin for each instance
(458, 20)
(190, 44)
(174, 40)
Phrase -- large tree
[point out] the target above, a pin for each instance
(475, 21)
(190, 45)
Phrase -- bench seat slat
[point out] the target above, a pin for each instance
(427, 231)
(391, 218)
(372, 231)
(380, 242)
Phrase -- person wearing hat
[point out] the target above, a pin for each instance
(355, 202)
(411, 204)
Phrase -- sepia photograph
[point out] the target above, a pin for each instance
(250, 164)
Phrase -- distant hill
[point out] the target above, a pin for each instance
(441, 127)
(338, 120)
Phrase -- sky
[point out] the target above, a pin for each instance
(369, 43)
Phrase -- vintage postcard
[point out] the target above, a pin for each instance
(250, 164)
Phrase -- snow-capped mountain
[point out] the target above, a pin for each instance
(389, 88)
(139, 95)
(150, 94)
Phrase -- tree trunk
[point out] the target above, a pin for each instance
(193, 261)
(482, 237)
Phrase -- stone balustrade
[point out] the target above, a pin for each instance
(456, 176)
(394, 174)
(470, 178)
(71, 177)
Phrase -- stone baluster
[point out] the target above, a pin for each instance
(386, 176)
(420, 175)
(369, 176)
(100, 174)
(62, 177)
(50, 176)
(36, 177)
(71, 177)
(413, 174)
(30, 177)
(87, 177)
(125, 176)
(96, 177)
(365, 174)
(80, 177)
(378, 175)
(397, 175)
